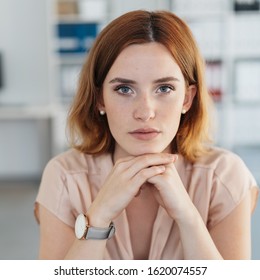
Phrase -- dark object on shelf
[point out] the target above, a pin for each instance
(67, 8)
(1, 71)
(76, 37)
(213, 75)
(242, 6)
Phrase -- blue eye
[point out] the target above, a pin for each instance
(124, 90)
(165, 89)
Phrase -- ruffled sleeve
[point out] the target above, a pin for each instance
(231, 182)
(70, 182)
(53, 193)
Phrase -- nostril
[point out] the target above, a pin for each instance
(144, 114)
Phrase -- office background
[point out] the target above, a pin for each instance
(42, 46)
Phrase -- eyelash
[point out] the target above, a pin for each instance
(119, 88)
(169, 87)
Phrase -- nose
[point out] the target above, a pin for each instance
(144, 110)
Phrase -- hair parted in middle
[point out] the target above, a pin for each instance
(89, 131)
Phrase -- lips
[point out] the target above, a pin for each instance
(145, 133)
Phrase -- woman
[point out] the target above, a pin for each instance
(142, 181)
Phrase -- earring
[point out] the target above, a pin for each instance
(102, 113)
(183, 111)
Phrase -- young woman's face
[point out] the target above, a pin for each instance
(144, 94)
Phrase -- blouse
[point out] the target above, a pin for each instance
(216, 184)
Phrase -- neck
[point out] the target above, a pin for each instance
(119, 153)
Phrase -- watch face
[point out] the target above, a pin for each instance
(80, 226)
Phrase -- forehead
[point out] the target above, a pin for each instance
(138, 59)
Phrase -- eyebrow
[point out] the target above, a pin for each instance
(122, 80)
(166, 79)
(128, 81)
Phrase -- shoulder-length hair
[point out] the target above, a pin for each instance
(89, 132)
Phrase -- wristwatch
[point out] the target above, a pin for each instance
(84, 231)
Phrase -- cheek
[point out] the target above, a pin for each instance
(117, 118)
(172, 110)
(170, 118)
(117, 111)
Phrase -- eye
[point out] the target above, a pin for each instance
(165, 89)
(124, 90)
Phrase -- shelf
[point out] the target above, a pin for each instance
(222, 38)
(81, 11)
(31, 112)
(75, 19)
(25, 112)
(71, 58)
(202, 15)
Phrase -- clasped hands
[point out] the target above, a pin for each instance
(127, 177)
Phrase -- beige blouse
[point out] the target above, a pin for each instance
(216, 184)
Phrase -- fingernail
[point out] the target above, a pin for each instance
(162, 168)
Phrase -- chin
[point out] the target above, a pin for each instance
(144, 151)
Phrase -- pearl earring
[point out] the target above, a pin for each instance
(183, 111)
(102, 113)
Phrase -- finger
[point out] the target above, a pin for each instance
(135, 163)
(143, 176)
(139, 192)
(149, 160)
(123, 164)
(128, 167)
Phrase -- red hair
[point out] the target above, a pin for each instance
(89, 132)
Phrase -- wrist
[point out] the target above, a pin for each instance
(97, 219)
(85, 231)
(188, 219)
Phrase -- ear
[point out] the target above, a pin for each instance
(100, 103)
(188, 99)
(101, 107)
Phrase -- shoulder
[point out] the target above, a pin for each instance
(228, 172)
(73, 161)
(220, 179)
(225, 165)
(218, 159)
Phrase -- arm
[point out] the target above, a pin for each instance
(229, 239)
(57, 240)
(232, 236)
(55, 236)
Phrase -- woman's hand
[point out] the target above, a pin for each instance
(171, 194)
(124, 182)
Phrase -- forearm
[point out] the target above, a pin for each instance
(91, 249)
(196, 240)
(86, 250)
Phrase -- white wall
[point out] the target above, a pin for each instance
(120, 7)
(23, 44)
(24, 148)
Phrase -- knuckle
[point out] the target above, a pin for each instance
(147, 159)
(119, 165)
(143, 174)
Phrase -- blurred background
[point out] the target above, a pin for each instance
(42, 47)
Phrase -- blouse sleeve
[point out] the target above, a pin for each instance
(231, 182)
(53, 193)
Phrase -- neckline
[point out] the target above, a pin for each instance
(160, 230)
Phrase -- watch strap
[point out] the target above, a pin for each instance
(100, 233)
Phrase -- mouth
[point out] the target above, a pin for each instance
(145, 133)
